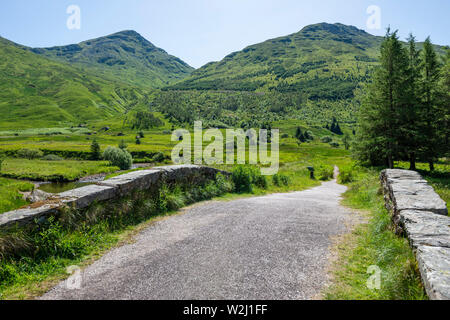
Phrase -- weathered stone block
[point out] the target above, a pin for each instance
(406, 190)
(415, 195)
(27, 215)
(137, 180)
(82, 197)
(400, 174)
(426, 228)
(434, 265)
(187, 173)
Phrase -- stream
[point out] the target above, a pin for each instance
(58, 187)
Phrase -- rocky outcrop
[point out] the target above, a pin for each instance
(106, 190)
(421, 215)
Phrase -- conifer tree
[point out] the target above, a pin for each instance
(430, 111)
(122, 145)
(444, 105)
(409, 118)
(378, 134)
(95, 150)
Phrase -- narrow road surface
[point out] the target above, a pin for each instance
(269, 247)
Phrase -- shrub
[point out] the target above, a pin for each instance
(326, 139)
(170, 200)
(122, 145)
(95, 150)
(159, 157)
(30, 154)
(334, 144)
(309, 135)
(325, 172)
(2, 159)
(52, 157)
(242, 179)
(346, 175)
(118, 157)
(284, 136)
(259, 180)
(224, 184)
(245, 177)
(280, 179)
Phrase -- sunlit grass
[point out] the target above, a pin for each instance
(66, 170)
(373, 244)
(10, 197)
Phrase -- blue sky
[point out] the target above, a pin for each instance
(200, 31)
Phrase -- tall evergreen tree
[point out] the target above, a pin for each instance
(337, 129)
(378, 134)
(299, 135)
(444, 104)
(95, 150)
(409, 119)
(430, 111)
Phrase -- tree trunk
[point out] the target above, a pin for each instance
(431, 163)
(412, 161)
(390, 162)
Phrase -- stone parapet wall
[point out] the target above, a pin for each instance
(422, 216)
(115, 187)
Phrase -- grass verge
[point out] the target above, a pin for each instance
(373, 244)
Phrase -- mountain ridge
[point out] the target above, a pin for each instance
(322, 61)
(124, 55)
(36, 89)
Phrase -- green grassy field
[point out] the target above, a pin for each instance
(41, 170)
(10, 197)
(294, 158)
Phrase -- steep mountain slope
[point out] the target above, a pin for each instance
(124, 55)
(322, 61)
(36, 91)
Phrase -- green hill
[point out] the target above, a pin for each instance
(35, 91)
(322, 61)
(124, 55)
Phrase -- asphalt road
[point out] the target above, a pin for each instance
(269, 247)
